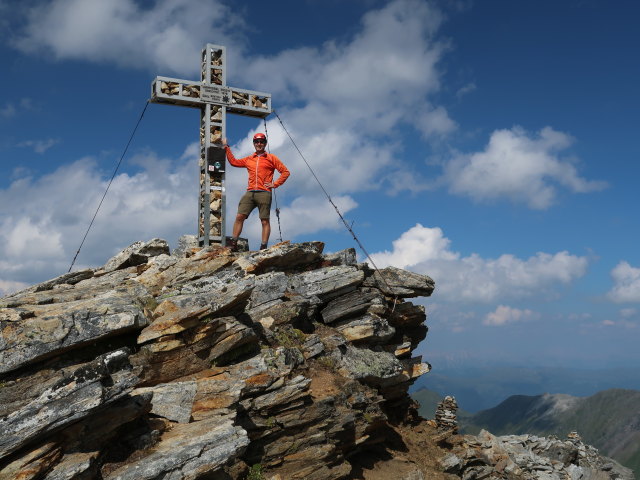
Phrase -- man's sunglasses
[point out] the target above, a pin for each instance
(260, 141)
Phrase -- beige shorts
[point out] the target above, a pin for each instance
(251, 200)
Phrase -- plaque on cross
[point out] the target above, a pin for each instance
(214, 99)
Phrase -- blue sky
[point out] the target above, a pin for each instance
(491, 145)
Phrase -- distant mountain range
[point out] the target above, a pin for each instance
(484, 386)
(608, 420)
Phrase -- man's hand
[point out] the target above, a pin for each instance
(224, 142)
(269, 185)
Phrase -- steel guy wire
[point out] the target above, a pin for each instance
(344, 221)
(109, 184)
(275, 198)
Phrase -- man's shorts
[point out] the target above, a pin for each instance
(251, 200)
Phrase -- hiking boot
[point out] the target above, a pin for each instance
(263, 246)
(233, 244)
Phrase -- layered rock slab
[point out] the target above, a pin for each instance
(231, 359)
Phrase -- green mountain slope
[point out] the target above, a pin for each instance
(608, 420)
(428, 401)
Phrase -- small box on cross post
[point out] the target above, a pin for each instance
(216, 158)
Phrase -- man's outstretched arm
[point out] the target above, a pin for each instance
(230, 157)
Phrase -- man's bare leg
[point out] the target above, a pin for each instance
(266, 232)
(238, 224)
(237, 230)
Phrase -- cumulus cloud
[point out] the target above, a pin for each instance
(8, 286)
(628, 312)
(342, 101)
(167, 35)
(379, 78)
(42, 220)
(468, 88)
(345, 103)
(626, 283)
(345, 123)
(8, 111)
(519, 166)
(504, 315)
(304, 215)
(476, 279)
(40, 146)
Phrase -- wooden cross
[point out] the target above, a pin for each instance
(214, 99)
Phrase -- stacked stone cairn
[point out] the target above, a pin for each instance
(446, 418)
(207, 364)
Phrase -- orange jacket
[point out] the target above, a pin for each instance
(260, 169)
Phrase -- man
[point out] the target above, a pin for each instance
(260, 167)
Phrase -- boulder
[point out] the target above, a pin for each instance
(136, 254)
(351, 304)
(187, 245)
(368, 328)
(87, 388)
(326, 283)
(284, 256)
(35, 332)
(188, 452)
(172, 401)
(394, 281)
(343, 257)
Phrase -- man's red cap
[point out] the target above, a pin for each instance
(259, 135)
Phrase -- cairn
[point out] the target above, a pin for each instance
(446, 418)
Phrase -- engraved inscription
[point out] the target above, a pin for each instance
(215, 94)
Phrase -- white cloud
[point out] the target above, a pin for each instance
(476, 279)
(619, 323)
(519, 166)
(304, 215)
(378, 79)
(468, 88)
(7, 287)
(7, 111)
(347, 125)
(351, 100)
(626, 283)
(166, 36)
(351, 96)
(42, 220)
(504, 315)
(40, 146)
(628, 312)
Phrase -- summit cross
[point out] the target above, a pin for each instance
(214, 99)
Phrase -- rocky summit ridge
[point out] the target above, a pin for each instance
(285, 363)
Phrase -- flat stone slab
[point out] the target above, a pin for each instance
(136, 254)
(34, 332)
(394, 281)
(368, 328)
(172, 401)
(188, 451)
(284, 255)
(181, 312)
(370, 367)
(351, 304)
(88, 387)
(326, 283)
